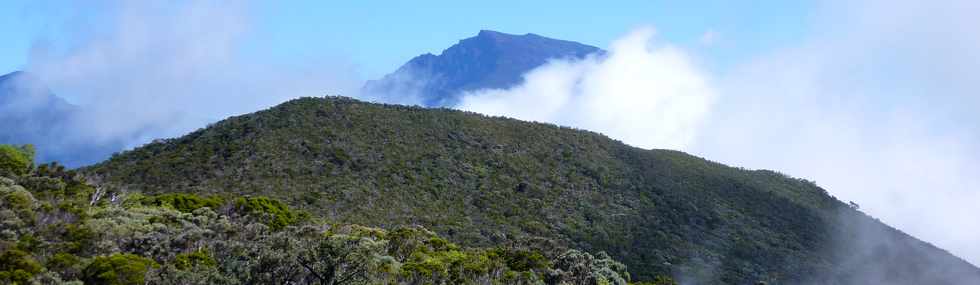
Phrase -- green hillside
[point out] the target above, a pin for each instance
(57, 229)
(481, 181)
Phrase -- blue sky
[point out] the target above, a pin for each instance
(383, 34)
(377, 36)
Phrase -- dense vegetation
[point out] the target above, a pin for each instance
(482, 181)
(57, 229)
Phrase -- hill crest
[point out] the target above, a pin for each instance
(481, 180)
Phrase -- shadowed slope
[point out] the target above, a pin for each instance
(488, 60)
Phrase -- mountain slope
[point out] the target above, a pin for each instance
(30, 113)
(57, 229)
(480, 180)
(488, 60)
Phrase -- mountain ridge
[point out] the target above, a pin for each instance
(31, 113)
(490, 59)
(481, 180)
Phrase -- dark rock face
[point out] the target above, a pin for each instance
(489, 60)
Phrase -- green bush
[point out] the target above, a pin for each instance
(186, 203)
(78, 238)
(276, 214)
(17, 267)
(19, 199)
(16, 160)
(193, 259)
(118, 269)
(67, 265)
(522, 260)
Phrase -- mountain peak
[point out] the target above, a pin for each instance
(490, 33)
(501, 36)
(19, 75)
(12, 74)
(23, 84)
(491, 59)
(31, 113)
(495, 35)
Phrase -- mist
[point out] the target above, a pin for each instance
(878, 106)
(147, 70)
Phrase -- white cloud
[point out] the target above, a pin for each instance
(646, 95)
(148, 69)
(878, 106)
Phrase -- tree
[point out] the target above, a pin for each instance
(17, 267)
(16, 160)
(343, 259)
(576, 267)
(118, 269)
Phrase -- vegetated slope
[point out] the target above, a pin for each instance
(488, 60)
(57, 229)
(480, 180)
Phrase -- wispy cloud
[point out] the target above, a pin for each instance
(159, 69)
(878, 105)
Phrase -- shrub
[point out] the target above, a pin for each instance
(18, 199)
(20, 202)
(17, 267)
(193, 259)
(79, 238)
(118, 269)
(16, 160)
(186, 203)
(67, 265)
(276, 214)
(523, 260)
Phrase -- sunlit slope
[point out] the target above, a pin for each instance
(480, 180)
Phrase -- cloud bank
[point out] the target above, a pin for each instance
(878, 105)
(647, 95)
(142, 70)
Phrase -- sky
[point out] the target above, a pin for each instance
(378, 36)
(876, 101)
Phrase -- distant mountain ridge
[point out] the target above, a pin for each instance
(21, 82)
(31, 113)
(488, 60)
